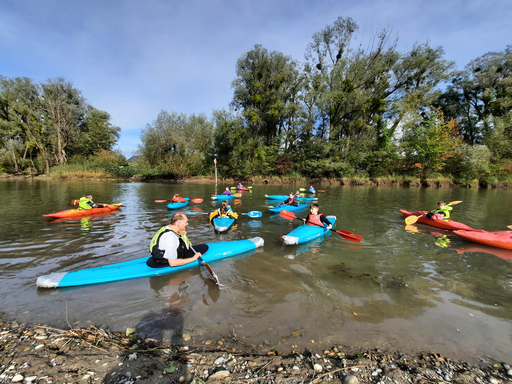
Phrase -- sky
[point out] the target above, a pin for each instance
(135, 58)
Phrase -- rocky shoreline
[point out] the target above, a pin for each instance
(43, 354)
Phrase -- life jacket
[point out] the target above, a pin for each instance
(223, 212)
(228, 193)
(158, 254)
(445, 211)
(178, 199)
(83, 203)
(315, 220)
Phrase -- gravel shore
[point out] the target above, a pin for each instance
(43, 354)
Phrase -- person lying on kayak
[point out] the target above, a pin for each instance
(178, 199)
(291, 200)
(316, 218)
(87, 203)
(170, 244)
(223, 211)
(240, 185)
(227, 192)
(441, 213)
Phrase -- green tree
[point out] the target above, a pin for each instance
(96, 133)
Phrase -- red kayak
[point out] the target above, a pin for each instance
(84, 212)
(242, 189)
(444, 224)
(504, 254)
(500, 239)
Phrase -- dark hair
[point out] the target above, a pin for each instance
(441, 202)
(315, 205)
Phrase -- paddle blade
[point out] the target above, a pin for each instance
(509, 226)
(210, 270)
(455, 202)
(237, 194)
(197, 201)
(253, 214)
(160, 201)
(287, 215)
(302, 189)
(411, 219)
(75, 202)
(350, 236)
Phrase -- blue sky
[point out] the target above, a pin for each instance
(135, 58)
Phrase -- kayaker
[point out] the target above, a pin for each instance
(170, 245)
(178, 199)
(240, 185)
(441, 213)
(297, 195)
(223, 211)
(87, 203)
(311, 188)
(227, 192)
(316, 218)
(291, 200)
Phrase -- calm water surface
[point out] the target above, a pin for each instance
(396, 289)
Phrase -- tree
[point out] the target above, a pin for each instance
(96, 133)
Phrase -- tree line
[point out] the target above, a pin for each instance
(349, 110)
(48, 124)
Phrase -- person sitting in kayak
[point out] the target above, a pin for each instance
(441, 213)
(316, 218)
(170, 245)
(178, 199)
(223, 211)
(240, 185)
(291, 200)
(87, 203)
(227, 192)
(311, 188)
(297, 194)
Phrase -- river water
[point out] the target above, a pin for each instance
(397, 289)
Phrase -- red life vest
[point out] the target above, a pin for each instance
(315, 220)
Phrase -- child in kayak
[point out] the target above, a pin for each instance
(223, 211)
(87, 203)
(441, 213)
(291, 200)
(240, 185)
(316, 218)
(227, 192)
(177, 199)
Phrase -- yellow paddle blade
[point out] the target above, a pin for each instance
(509, 226)
(237, 194)
(411, 219)
(455, 202)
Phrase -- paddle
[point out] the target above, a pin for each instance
(250, 214)
(197, 201)
(345, 234)
(509, 226)
(215, 278)
(412, 219)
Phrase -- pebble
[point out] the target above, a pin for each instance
(296, 368)
(220, 375)
(30, 379)
(39, 346)
(509, 372)
(318, 368)
(220, 361)
(41, 337)
(186, 337)
(350, 380)
(17, 378)
(132, 356)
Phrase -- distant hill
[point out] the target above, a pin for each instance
(134, 158)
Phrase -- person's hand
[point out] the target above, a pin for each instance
(197, 255)
(329, 226)
(304, 221)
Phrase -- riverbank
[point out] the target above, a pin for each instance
(384, 181)
(47, 355)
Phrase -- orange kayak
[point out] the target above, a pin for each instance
(500, 239)
(83, 212)
(444, 224)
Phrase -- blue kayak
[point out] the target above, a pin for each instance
(138, 267)
(287, 207)
(178, 205)
(306, 233)
(223, 197)
(284, 198)
(311, 191)
(222, 224)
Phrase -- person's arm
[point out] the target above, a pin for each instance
(305, 220)
(324, 220)
(170, 242)
(177, 262)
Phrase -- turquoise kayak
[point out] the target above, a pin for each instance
(138, 267)
(178, 205)
(287, 207)
(223, 197)
(306, 233)
(222, 224)
(284, 197)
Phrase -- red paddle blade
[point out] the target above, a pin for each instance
(214, 275)
(350, 236)
(160, 201)
(287, 215)
(75, 202)
(197, 201)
